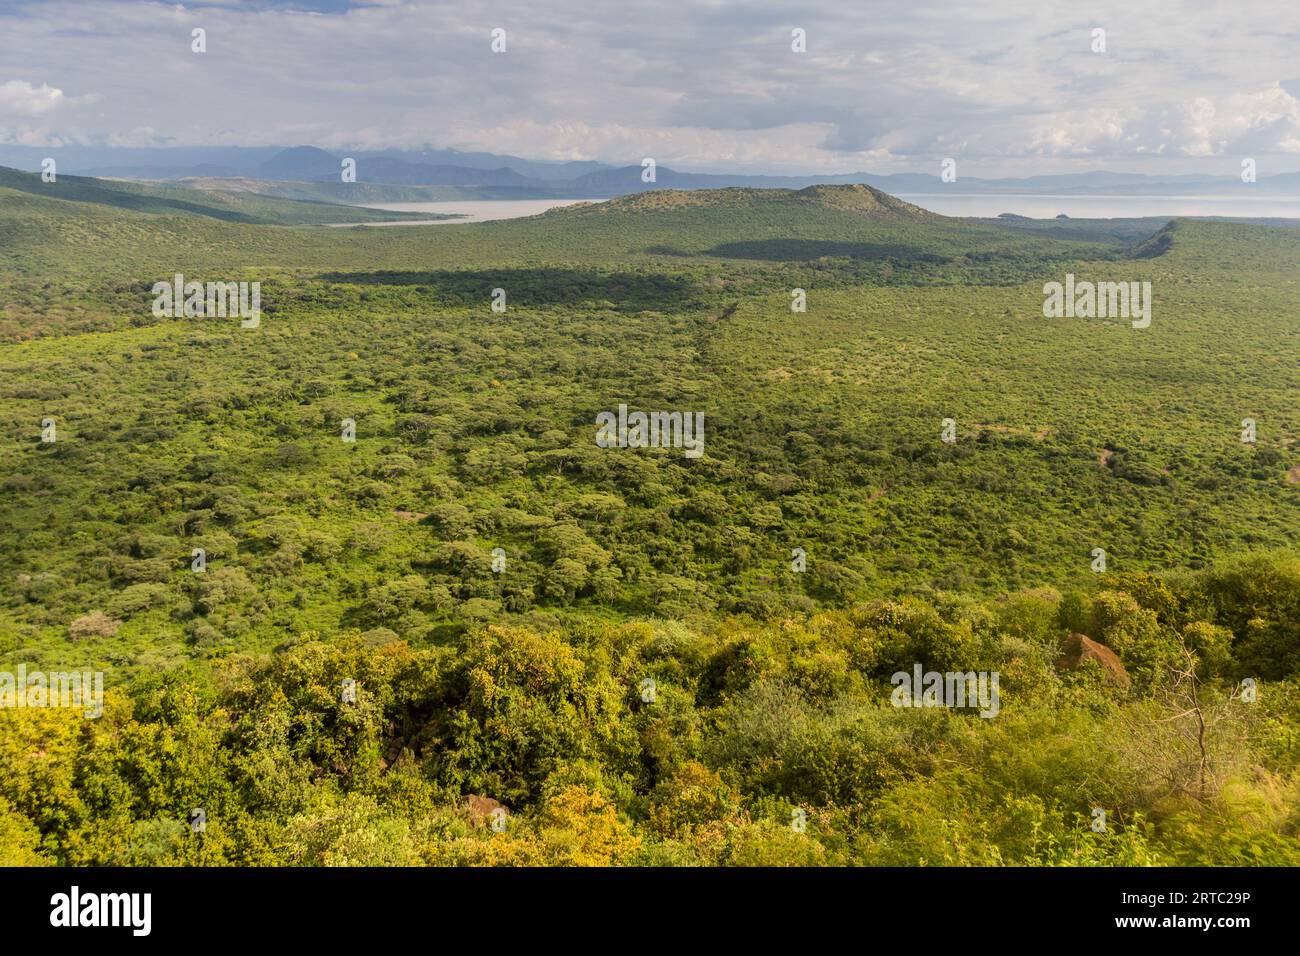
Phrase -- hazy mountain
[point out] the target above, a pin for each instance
(382, 169)
(301, 163)
(535, 169)
(489, 175)
(309, 164)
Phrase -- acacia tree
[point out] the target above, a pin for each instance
(1208, 726)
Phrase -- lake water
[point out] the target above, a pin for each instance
(483, 210)
(946, 204)
(1105, 207)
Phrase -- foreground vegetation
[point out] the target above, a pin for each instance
(498, 586)
(764, 744)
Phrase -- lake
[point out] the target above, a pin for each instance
(481, 210)
(1105, 207)
(946, 204)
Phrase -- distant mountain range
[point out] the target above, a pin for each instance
(412, 175)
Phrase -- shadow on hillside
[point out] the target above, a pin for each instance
(621, 291)
(85, 190)
(803, 250)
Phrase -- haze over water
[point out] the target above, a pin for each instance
(483, 210)
(1041, 206)
(946, 204)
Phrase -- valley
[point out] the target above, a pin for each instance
(497, 582)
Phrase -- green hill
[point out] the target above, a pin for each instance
(160, 199)
(339, 192)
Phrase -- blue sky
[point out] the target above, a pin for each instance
(1007, 87)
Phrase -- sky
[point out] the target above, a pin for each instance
(1004, 87)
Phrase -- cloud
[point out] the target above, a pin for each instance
(20, 98)
(1009, 87)
(1263, 122)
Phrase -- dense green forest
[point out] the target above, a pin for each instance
(496, 589)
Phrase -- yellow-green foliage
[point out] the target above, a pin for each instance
(769, 738)
(751, 727)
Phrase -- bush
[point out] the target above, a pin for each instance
(94, 624)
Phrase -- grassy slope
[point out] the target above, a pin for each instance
(233, 207)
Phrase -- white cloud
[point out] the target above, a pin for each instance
(20, 98)
(1011, 87)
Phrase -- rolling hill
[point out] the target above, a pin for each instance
(225, 205)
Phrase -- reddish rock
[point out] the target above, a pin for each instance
(1078, 648)
(480, 808)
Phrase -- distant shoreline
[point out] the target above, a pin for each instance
(463, 211)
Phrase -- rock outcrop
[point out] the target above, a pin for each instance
(1078, 648)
